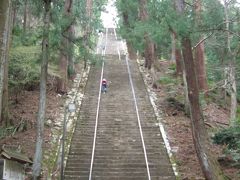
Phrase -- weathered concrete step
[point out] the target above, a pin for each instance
(127, 166)
(79, 142)
(114, 111)
(104, 139)
(118, 153)
(130, 174)
(104, 160)
(86, 119)
(105, 145)
(133, 173)
(110, 129)
(86, 125)
(108, 169)
(115, 154)
(108, 173)
(70, 177)
(108, 161)
(115, 163)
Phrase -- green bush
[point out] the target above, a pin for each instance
(229, 136)
(24, 70)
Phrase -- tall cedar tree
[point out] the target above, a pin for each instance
(231, 67)
(65, 49)
(87, 29)
(25, 16)
(176, 54)
(5, 26)
(209, 165)
(127, 9)
(199, 52)
(131, 51)
(149, 45)
(42, 99)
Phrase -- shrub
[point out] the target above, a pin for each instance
(24, 70)
(229, 137)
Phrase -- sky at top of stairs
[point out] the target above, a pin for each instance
(109, 16)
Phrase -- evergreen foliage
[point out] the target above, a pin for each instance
(24, 64)
(24, 68)
(26, 46)
(132, 30)
(231, 138)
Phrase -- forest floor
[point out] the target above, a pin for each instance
(25, 111)
(176, 123)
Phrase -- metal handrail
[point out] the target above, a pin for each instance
(63, 142)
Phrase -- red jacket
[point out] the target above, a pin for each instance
(104, 82)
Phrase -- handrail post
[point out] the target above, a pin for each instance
(63, 142)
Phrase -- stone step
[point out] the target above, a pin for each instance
(118, 172)
(71, 177)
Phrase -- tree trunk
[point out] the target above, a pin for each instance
(233, 111)
(200, 67)
(63, 68)
(89, 10)
(71, 66)
(42, 99)
(227, 25)
(149, 51)
(25, 16)
(89, 5)
(179, 68)
(207, 160)
(65, 50)
(176, 54)
(5, 20)
(231, 75)
(5, 111)
(199, 53)
(185, 85)
(131, 51)
(173, 54)
(71, 36)
(87, 30)
(208, 163)
(14, 15)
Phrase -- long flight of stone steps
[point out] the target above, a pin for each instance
(119, 153)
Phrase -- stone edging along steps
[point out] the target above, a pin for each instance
(52, 156)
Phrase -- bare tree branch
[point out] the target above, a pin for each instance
(202, 40)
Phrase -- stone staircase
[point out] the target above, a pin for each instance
(119, 153)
